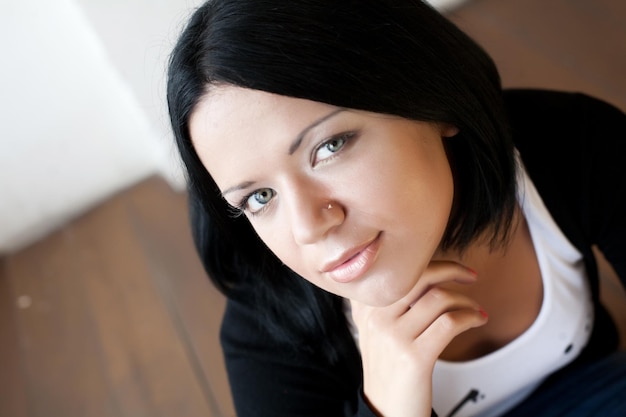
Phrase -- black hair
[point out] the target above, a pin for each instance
(398, 57)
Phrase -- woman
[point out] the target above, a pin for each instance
(395, 234)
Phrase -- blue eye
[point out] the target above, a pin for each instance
(331, 147)
(258, 199)
(335, 144)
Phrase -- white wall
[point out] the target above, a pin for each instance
(82, 110)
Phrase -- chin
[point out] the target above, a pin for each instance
(386, 295)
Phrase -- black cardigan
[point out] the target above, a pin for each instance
(574, 150)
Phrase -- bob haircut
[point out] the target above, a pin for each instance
(398, 57)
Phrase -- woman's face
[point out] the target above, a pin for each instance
(355, 202)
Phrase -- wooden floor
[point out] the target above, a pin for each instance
(112, 315)
(573, 45)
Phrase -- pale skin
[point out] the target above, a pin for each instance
(357, 203)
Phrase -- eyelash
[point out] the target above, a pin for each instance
(345, 136)
(241, 207)
(236, 210)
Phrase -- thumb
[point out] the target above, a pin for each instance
(357, 311)
(360, 312)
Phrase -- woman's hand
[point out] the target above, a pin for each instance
(401, 342)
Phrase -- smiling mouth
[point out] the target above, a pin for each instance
(354, 263)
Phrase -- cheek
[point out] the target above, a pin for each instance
(277, 237)
(413, 182)
(421, 195)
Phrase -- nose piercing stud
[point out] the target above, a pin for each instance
(329, 206)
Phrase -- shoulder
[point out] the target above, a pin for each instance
(562, 123)
(573, 147)
(270, 377)
(245, 331)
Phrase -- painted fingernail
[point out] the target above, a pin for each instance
(483, 313)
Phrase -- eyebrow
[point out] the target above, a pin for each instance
(292, 148)
(238, 187)
(298, 141)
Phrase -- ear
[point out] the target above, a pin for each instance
(448, 130)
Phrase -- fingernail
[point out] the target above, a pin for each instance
(483, 313)
(473, 272)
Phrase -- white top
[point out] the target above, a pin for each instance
(493, 384)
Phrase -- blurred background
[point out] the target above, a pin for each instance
(83, 107)
(104, 308)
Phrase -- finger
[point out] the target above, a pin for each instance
(437, 272)
(432, 305)
(356, 310)
(445, 328)
(362, 313)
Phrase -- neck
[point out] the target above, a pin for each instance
(481, 252)
(509, 288)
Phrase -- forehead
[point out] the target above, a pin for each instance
(235, 110)
(237, 124)
(231, 114)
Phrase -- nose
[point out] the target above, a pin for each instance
(311, 213)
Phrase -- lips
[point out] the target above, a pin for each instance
(354, 262)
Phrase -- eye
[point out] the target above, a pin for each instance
(256, 201)
(331, 146)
